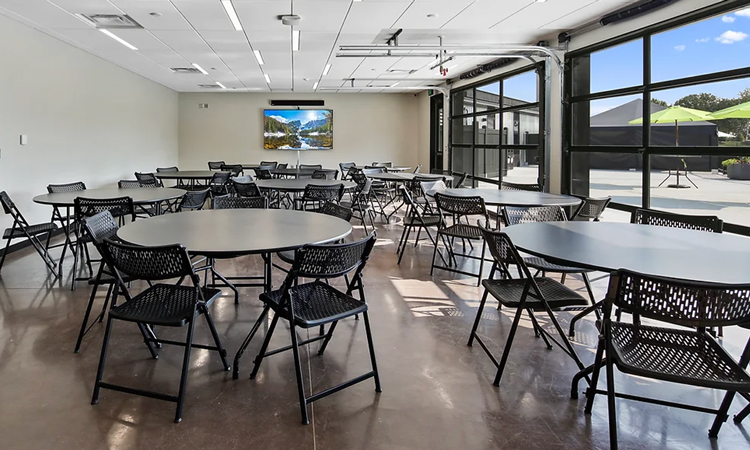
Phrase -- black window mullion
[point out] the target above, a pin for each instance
(646, 160)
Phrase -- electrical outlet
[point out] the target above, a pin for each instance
(24, 139)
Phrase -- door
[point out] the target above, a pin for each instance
(436, 132)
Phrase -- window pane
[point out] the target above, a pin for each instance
(600, 174)
(520, 89)
(711, 45)
(487, 163)
(709, 97)
(461, 159)
(612, 68)
(461, 131)
(605, 122)
(488, 96)
(522, 166)
(716, 194)
(463, 102)
(487, 130)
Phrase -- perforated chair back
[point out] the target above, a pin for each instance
(461, 206)
(350, 173)
(461, 180)
(118, 207)
(193, 200)
(506, 186)
(319, 175)
(227, 202)
(67, 187)
(310, 166)
(382, 164)
(332, 260)
(147, 178)
(282, 166)
(234, 169)
(325, 174)
(345, 168)
(503, 251)
(685, 303)
(130, 184)
(373, 170)
(336, 210)
(149, 263)
(263, 174)
(688, 222)
(10, 208)
(218, 183)
(243, 189)
(215, 165)
(591, 208)
(513, 215)
(360, 178)
(167, 169)
(269, 164)
(101, 226)
(314, 192)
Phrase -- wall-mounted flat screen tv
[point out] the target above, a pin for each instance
(297, 129)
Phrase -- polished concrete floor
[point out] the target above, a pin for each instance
(437, 392)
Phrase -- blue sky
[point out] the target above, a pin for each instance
(290, 115)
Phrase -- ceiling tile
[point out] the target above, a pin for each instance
(43, 14)
(373, 16)
(417, 14)
(205, 15)
(482, 14)
(140, 10)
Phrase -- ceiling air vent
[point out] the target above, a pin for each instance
(185, 70)
(209, 86)
(402, 71)
(111, 21)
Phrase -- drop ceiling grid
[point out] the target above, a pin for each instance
(199, 31)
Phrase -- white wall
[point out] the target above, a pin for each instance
(366, 128)
(86, 119)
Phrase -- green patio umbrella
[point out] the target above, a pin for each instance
(741, 111)
(677, 114)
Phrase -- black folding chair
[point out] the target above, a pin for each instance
(66, 219)
(215, 165)
(507, 186)
(679, 355)
(218, 185)
(193, 200)
(315, 195)
(235, 170)
(22, 229)
(308, 305)
(167, 305)
(147, 178)
(672, 220)
(591, 208)
(414, 218)
(526, 293)
(361, 203)
(142, 211)
(229, 202)
(245, 189)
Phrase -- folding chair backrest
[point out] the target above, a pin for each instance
(227, 202)
(418, 168)
(332, 260)
(329, 174)
(67, 187)
(679, 302)
(147, 178)
(269, 164)
(591, 208)
(263, 173)
(101, 226)
(345, 167)
(167, 169)
(461, 180)
(373, 170)
(215, 165)
(460, 206)
(314, 192)
(219, 179)
(149, 263)
(10, 208)
(282, 166)
(234, 169)
(506, 186)
(513, 215)
(503, 250)
(130, 184)
(193, 200)
(336, 210)
(319, 175)
(432, 185)
(118, 207)
(243, 189)
(310, 166)
(360, 178)
(665, 219)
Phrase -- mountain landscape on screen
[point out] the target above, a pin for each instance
(306, 129)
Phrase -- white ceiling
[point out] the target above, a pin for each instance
(199, 31)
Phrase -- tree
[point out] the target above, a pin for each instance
(703, 102)
(712, 103)
(660, 102)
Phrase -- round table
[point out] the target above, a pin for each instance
(294, 185)
(389, 169)
(294, 172)
(648, 249)
(401, 177)
(140, 196)
(498, 197)
(191, 175)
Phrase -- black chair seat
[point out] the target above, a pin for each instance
(163, 304)
(545, 266)
(678, 355)
(33, 230)
(462, 230)
(316, 303)
(427, 221)
(509, 291)
(286, 256)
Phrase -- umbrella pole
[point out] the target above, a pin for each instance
(676, 134)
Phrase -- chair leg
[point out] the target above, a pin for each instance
(591, 391)
(434, 253)
(246, 342)
(298, 372)
(185, 367)
(5, 253)
(508, 345)
(102, 359)
(611, 401)
(481, 262)
(328, 338)
(217, 341)
(476, 320)
(538, 329)
(372, 352)
(402, 247)
(86, 316)
(264, 346)
(562, 278)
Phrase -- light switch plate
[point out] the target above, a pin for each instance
(24, 139)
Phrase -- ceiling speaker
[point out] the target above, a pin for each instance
(298, 103)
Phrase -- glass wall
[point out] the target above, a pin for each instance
(640, 126)
(495, 129)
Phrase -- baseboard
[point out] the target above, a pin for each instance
(26, 243)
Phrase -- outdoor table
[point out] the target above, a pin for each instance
(647, 249)
(192, 175)
(679, 169)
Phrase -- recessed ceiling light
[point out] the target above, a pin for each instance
(295, 40)
(118, 39)
(315, 85)
(258, 57)
(220, 85)
(327, 69)
(268, 79)
(229, 8)
(200, 68)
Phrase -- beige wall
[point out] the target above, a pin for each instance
(367, 128)
(86, 119)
